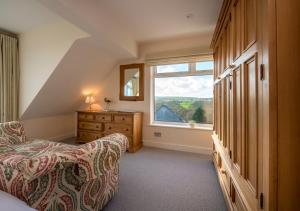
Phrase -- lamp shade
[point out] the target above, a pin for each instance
(89, 99)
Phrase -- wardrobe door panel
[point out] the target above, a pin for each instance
(216, 63)
(224, 51)
(229, 41)
(224, 112)
(250, 23)
(216, 116)
(237, 119)
(231, 117)
(251, 130)
(237, 29)
(221, 110)
(228, 114)
(216, 97)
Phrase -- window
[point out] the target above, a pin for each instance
(183, 94)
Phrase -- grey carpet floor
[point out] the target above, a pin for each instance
(162, 180)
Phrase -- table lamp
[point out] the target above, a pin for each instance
(90, 100)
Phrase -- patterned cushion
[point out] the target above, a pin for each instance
(12, 133)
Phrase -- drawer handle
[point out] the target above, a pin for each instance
(223, 172)
(127, 129)
(231, 66)
(109, 128)
(103, 117)
(97, 126)
(123, 118)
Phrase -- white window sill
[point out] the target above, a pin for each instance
(187, 126)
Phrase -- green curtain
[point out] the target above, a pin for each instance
(9, 78)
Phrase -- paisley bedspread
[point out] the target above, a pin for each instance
(55, 176)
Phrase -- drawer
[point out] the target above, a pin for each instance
(123, 119)
(88, 136)
(119, 128)
(103, 117)
(85, 116)
(90, 126)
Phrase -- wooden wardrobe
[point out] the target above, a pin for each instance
(256, 104)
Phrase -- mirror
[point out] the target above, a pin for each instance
(132, 82)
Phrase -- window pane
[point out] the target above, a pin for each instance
(173, 68)
(208, 65)
(184, 99)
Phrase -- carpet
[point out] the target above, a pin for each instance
(163, 180)
(156, 179)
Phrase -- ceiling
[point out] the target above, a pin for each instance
(142, 20)
(149, 20)
(19, 16)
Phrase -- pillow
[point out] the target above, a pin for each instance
(11, 203)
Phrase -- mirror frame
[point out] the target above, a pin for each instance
(123, 68)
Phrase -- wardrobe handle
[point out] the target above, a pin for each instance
(223, 172)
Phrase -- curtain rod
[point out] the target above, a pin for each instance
(8, 33)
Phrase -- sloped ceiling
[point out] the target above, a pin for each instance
(41, 50)
(81, 70)
(95, 20)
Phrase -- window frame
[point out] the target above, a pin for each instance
(191, 72)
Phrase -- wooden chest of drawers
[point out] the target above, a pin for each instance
(93, 125)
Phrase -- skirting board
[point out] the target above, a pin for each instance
(178, 147)
(62, 137)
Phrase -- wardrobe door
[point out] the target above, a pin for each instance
(220, 111)
(217, 111)
(224, 112)
(237, 29)
(228, 115)
(224, 51)
(216, 63)
(251, 123)
(250, 23)
(220, 58)
(237, 119)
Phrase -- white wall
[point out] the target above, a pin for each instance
(53, 128)
(193, 140)
(41, 50)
